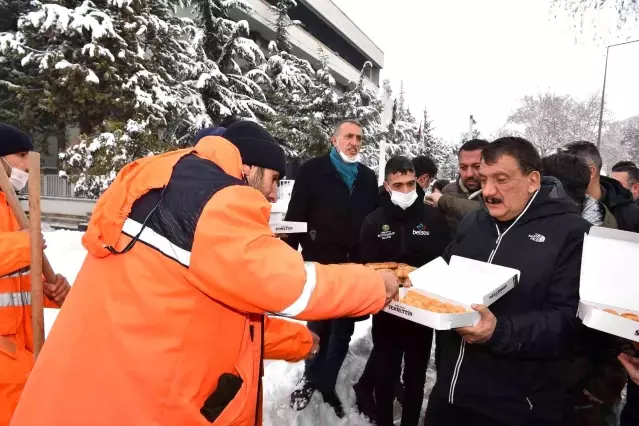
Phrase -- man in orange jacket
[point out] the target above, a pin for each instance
(166, 323)
(16, 334)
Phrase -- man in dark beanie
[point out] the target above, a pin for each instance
(263, 160)
(15, 309)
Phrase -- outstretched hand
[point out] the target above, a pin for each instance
(433, 198)
(391, 283)
(484, 329)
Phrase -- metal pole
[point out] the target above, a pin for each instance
(603, 100)
(603, 91)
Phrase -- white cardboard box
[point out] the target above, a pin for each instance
(463, 282)
(608, 281)
(288, 227)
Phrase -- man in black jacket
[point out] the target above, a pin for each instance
(333, 194)
(403, 230)
(507, 370)
(607, 190)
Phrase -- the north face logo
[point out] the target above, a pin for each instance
(538, 238)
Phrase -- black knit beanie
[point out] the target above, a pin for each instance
(13, 141)
(257, 147)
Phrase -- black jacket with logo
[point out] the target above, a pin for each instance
(518, 377)
(620, 203)
(414, 236)
(334, 215)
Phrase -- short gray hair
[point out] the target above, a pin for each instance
(341, 123)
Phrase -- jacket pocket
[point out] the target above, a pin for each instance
(227, 388)
(8, 347)
(230, 404)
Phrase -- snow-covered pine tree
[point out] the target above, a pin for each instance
(427, 134)
(227, 87)
(287, 85)
(306, 122)
(105, 65)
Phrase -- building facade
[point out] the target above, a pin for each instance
(325, 30)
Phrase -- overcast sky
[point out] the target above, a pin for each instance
(480, 57)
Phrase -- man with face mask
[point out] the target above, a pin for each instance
(403, 230)
(509, 369)
(16, 334)
(460, 197)
(333, 194)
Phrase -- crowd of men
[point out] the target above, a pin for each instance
(529, 361)
(178, 301)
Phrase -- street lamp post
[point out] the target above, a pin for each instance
(603, 91)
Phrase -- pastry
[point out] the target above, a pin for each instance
(403, 270)
(610, 311)
(383, 265)
(430, 304)
(631, 316)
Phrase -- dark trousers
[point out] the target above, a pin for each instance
(368, 376)
(630, 412)
(392, 338)
(335, 336)
(441, 413)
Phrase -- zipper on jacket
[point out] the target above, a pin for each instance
(259, 381)
(529, 403)
(462, 347)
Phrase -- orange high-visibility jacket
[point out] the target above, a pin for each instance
(16, 332)
(166, 321)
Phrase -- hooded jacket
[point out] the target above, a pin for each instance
(516, 377)
(619, 201)
(165, 323)
(16, 330)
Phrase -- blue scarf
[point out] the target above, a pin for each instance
(348, 171)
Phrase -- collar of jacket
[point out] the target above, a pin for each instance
(462, 187)
(326, 167)
(613, 194)
(141, 176)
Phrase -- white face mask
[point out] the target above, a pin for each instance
(403, 200)
(18, 178)
(347, 159)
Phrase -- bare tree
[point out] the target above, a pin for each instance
(550, 120)
(630, 137)
(586, 12)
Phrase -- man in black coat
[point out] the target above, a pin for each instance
(403, 230)
(332, 194)
(508, 369)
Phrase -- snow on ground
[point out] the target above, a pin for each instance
(66, 254)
